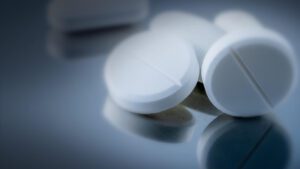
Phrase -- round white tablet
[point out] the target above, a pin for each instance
(248, 73)
(151, 72)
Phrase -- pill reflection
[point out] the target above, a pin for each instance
(173, 126)
(87, 43)
(235, 143)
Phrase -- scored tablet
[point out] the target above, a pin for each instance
(151, 72)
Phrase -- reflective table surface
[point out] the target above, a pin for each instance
(56, 112)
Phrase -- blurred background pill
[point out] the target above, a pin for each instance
(78, 15)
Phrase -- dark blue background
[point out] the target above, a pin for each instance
(52, 108)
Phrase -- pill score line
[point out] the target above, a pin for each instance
(251, 78)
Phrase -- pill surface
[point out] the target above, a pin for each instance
(151, 72)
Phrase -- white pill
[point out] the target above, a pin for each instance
(78, 15)
(246, 72)
(151, 72)
(249, 73)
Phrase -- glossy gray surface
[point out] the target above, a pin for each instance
(53, 105)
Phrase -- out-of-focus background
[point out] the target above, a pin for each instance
(55, 111)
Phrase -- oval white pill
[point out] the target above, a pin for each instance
(151, 72)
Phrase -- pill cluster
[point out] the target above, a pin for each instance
(246, 69)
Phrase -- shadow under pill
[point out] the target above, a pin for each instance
(199, 102)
